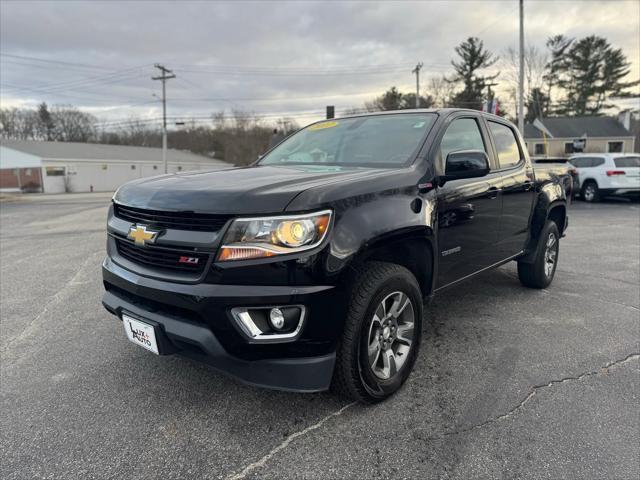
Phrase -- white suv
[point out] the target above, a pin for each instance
(602, 174)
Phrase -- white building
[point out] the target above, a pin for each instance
(57, 167)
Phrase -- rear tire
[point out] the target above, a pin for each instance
(540, 273)
(382, 331)
(590, 192)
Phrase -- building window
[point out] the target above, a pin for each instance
(615, 147)
(577, 146)
(155, 167)
(55, 171)
(104, 166)
(28, 172)
(133, 167)
(540, 149)
(179, 169)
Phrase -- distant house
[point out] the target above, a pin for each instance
(563, 136)
(56, 167)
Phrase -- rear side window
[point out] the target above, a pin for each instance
(627, 162)
(462, 134)
(506, 145)
(587, 162)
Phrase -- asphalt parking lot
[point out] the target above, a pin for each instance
(511, 383)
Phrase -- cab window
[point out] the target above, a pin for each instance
(462, 134)
(506, 144)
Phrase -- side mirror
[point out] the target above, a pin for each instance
(466, 164)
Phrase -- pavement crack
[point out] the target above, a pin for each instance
(262, 461)
(53, 300)
(534, 390)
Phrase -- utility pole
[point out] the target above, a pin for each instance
(417, 72)
(165, 75)
(521, 74)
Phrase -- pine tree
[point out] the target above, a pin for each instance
(588, 71)
(45, 122)
(473, 57)
(537, 105)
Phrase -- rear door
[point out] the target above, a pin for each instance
(468, 209)
(590, 168)
(517, 186)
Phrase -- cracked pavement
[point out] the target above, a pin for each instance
(510, 383)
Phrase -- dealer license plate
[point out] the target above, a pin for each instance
(140, 333)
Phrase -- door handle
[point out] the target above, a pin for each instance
(528, 186)
(492, 192)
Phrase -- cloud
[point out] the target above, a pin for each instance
(265, 56)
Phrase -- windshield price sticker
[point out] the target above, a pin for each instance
(322, 126)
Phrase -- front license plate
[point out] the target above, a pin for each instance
(140, 333)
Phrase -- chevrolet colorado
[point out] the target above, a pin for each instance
(308, 269)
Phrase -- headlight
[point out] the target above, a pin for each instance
(269, 236)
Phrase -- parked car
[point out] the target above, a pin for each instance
(308, 270)
(607, 174)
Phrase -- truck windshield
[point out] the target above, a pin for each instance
(378, 140)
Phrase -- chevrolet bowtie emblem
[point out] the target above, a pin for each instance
(142, 235)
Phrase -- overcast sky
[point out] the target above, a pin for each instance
(266, 57)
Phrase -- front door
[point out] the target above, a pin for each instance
(469, 210)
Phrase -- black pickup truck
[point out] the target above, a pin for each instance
(308, 270)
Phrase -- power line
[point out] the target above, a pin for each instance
(82, 84)
(58, 62)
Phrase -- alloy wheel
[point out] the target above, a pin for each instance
(391, 335)
(589, 193)
(550, 254)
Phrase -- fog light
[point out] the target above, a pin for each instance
(270, 324)
(276, 318)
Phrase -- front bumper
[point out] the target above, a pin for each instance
(194, 320)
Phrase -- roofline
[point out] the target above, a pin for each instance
(437, 111)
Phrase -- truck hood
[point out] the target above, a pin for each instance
(249, 190)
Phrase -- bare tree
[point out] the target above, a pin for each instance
(535, 68)
(441, 90)
(18, 124)
(242, 136)
(72, 125)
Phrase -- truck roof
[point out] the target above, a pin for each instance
(444, 111)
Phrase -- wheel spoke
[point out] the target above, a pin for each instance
(399, 304)
(405, 334)
(374, 351)
(389, 362)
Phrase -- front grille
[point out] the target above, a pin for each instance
(163, 258)
(171, 220)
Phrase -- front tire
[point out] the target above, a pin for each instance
(590, 192)
(540, 272)
(382, 332)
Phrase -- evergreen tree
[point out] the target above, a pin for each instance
(558, 46)
(588, 71)
(537, 105)
(45, 122)
(393, 99)
(473, 57)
